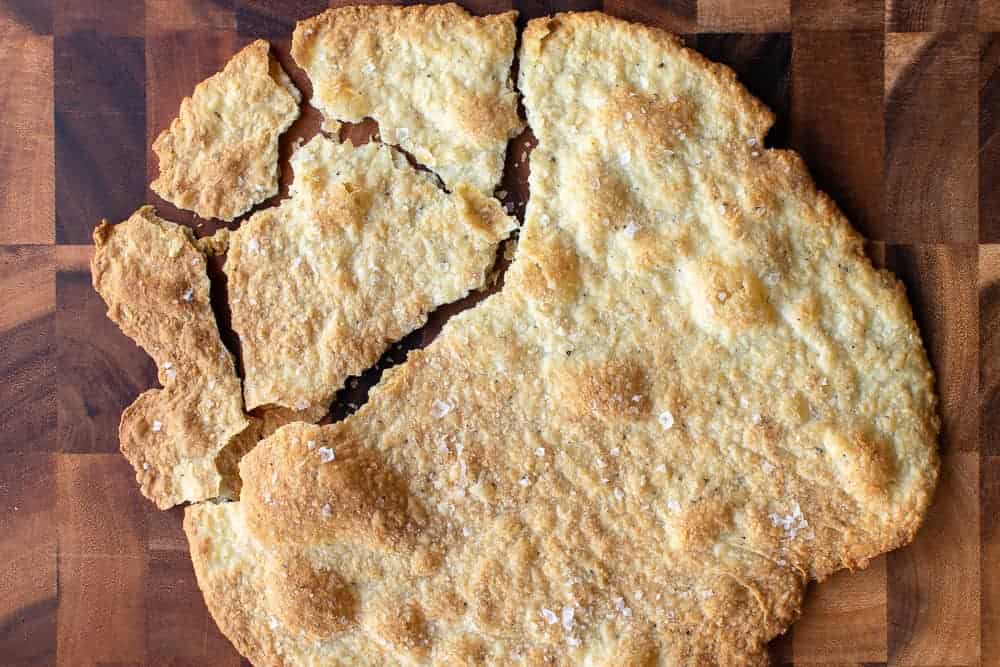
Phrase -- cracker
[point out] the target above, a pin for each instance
(693, 395)
(435, 78)
(152, 277)
(219, 157)
(362, 251)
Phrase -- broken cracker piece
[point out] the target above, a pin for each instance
(219, 157)
(152, 277)
(365, 247)
(435, 78)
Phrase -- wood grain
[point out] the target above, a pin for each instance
(27, 198)
(931, 141)
(837, 120)
(894, 105)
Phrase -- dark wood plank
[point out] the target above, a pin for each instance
(33, 15)
(27, 341)
(844, 619)
(931, 137)
(101, 371)
(988, 161)
(989, 348)
(28, 546)
(933, 584)
(679, 16)
(189, 15)
(847, 15)
(988, 17)
(179, 629)
(108, 17)
(100, 131)
(930, 15)
(990, 558)
(26, 154)
(741, 16)
(836, 120)
(947, 313)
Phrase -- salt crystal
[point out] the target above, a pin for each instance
(620, 606)
(273, 623)
(402, 133)
(253, 245)
(625, 158)
(619, 494)
(674, 506)
(631, 229)
(661, 468)
(311, 444)
(540, 452)
(572, 641)
(167, 365)
(792, 523)
(440, 409)
(666, 419)
(157, 426)
(549, 616)
(369, 68)
(615, 451)
(638, 595)
(767, 467)
(567, 618)
(751, 141)
(628, 115)
(301, 404)
(145, 466)
(326, 454)
(524, 481)
(188, 294)
(722, 296)
(327, 512)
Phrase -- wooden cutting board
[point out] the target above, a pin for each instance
(895, 106)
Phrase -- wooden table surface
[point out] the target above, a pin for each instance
(895, 106)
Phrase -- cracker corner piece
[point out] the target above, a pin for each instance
(435, 78)
(152, 277)
(219, 157)
(365, 247)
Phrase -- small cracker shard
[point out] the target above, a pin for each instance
(693, 394)
(362, 251)
(435, 78)
(152, 277)
(219, 157)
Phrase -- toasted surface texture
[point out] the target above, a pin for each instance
(219, 157)
(362, 251)
(435, 78)
(152, 277)
(693, 395)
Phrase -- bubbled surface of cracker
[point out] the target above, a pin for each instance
(435, 78)
(693, 395)
(219, 157)
(362, 251)
(152, 277)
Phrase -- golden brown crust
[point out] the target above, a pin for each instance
(219, 157)
(435, 78)
(693, 395)
(363, 250)
(152, 276)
